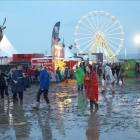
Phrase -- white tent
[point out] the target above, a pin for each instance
(68, 54)
(6, 47)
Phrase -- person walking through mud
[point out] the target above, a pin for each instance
(80, 75)
(36, 74)
(108, 78)
(3, 78)
(91, 82)
(113, 69)
(136, 70)
(6, 87)
(30, 74)
(67, 74)
(58, 73)
(117, 69)
(99, 70)
(121, 74)
(44, 83)
(19, 82)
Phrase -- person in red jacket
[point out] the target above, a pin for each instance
(91, 83)
(30, 75)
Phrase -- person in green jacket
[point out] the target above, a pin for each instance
(80, 76)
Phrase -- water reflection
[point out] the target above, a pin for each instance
(108, 102)
(4, 120)
(92, 133)
(63, 108)
(59, 114)
(130, 82)
(44, 124)
(82, 103)
(20, 120)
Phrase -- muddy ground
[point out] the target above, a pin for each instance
(118, 116)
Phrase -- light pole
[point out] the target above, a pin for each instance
(137, 41)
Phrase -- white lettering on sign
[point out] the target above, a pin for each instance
(37, 63)
(43, 61)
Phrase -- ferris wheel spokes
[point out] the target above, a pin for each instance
(104, 23)
(88, 27)
(109, 27)
(83, 38)
(91, 24)
(112, 34)
(113, 38)
(85, 42)
(88, 45)
(113, 30)
(94, 22)
(84, 34)
(85, 29)
(113, 42)
(99, 31)
(111, 46)
(101, 22)
(98, 21)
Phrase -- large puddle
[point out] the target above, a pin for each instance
(118, 116)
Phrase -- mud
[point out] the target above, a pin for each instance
(117, 118)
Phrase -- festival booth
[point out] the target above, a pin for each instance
(57, 60)
(62, 58)
(53, 62)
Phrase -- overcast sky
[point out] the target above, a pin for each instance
(30, 24)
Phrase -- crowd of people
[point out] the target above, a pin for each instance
(20, 79)
(87, 78)
(62, 74)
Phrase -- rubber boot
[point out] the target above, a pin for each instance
(2, 100)
(49, 106)
(21, 102)
(91, 104)
(37, 104)
(8, 99)
(95, 103)
(103, 91)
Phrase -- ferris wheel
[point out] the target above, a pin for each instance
(99, 32)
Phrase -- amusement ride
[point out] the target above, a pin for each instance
(99, 32)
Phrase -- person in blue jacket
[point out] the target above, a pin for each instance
(67, 74)
(44, 83)
(19, 82)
